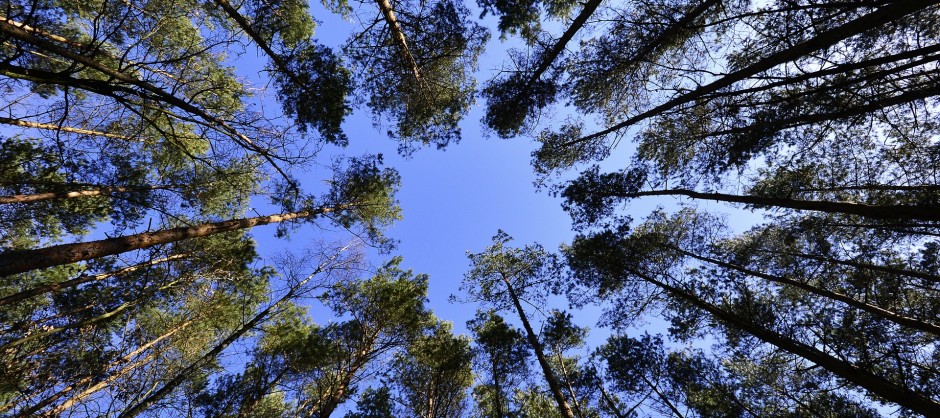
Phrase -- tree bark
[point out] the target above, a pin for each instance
(553, 384)
(884, 212)
(399, 37)
(877, 385)
(14, 262)
(104, 191)
(58, 128)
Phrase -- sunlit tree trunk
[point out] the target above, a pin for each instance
(22, 261)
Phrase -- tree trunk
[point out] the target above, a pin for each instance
(881, 16)
(54, 287)
(877, 385)
(874, 310)
(399, 37)
(14, 262)
(548, 59)
(553, 384)
(885, 212)
(104, 191)
(245, 26)
(58, 128)
(867, 266)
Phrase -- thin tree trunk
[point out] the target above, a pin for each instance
(548, 59)
(103, 317)
(877, 385)
(58, 128)
(245, 26)
(399, 37)
(553, 384)
(610, 402)
(185, 373)
(672, 407)
(571, 392)
(885, 212)
(54, 287)
(872, 309)
(881, 16)
(103, 191)
(867, 266)
(14, 262)
(98, 386)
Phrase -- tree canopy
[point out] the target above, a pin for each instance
(790, 266)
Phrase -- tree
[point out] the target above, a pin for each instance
(744, 309)
(414, 63)
(505, 277)
(433, 374)
(317, 368)
(501, 353)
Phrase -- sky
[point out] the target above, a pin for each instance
(455, 200)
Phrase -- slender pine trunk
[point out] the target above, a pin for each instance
(55, 287)
(848, 300)
(550, 378)
(884, 212)
(875, 384)
(398, 36)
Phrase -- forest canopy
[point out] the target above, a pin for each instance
(790, 265)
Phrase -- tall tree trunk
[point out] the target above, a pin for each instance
(104, 191)
(245, 26)
(385, 6)
(885, 14)
(885, 212)
(14, 262)
(867, 266)
(875, 384)
(549, 58)
(550, 378)
(59, 128)
(55, 287)
(872, 309)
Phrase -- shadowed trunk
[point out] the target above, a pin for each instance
(877, 385)
(553, 384)
(885, 212)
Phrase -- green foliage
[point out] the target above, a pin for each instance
(501, 355)
(445, 46)
(373, 403)
(434, 373)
